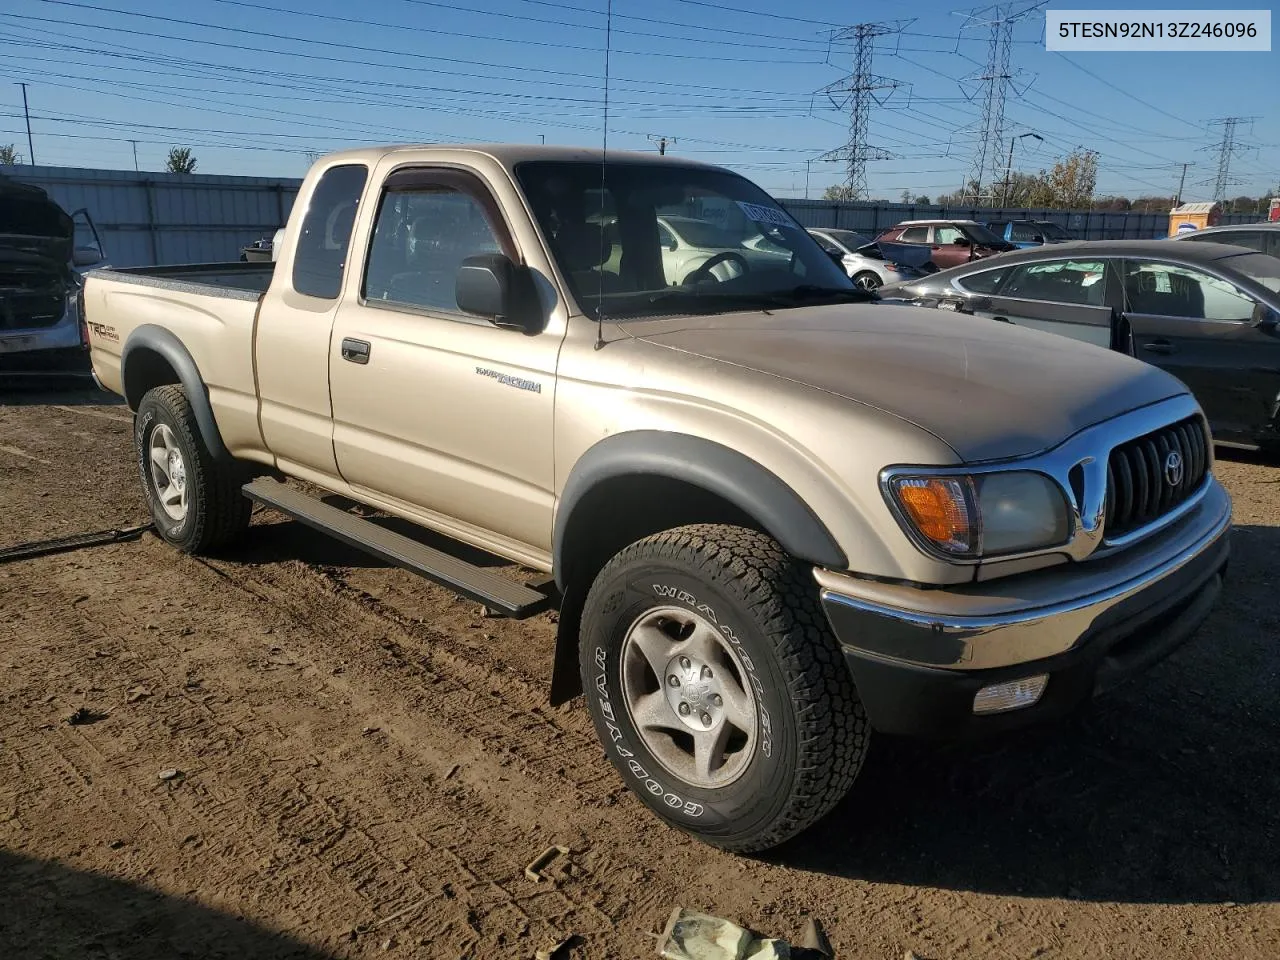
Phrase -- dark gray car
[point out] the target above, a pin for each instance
(1206, 312)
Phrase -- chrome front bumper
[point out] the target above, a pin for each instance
(919, 655)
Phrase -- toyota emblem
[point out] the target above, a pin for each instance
(1173, 468)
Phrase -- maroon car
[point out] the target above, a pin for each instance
(951, 242)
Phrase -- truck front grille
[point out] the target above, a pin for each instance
(1154, 474)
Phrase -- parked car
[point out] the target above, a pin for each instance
(1262, 237)
(689, 242)
(950, 242)
(257, 252)
(43, 251)
(1206, 312)
(777, 514)
(1028, 233)
(871, 264)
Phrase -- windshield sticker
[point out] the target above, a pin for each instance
(769, 215)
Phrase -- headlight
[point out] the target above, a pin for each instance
(983, 515)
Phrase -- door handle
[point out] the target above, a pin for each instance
(1162, 347)
(357, 351)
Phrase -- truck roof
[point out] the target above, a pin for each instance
(508, 154)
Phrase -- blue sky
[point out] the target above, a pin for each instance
(254, 85)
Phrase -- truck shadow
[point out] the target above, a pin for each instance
(279, 539)
(1164, 791)
(65, 391)
(58, 912)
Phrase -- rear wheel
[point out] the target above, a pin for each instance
(867, 280)
(195, 501)
(717, 688)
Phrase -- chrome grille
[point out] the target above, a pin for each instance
(1141, 475)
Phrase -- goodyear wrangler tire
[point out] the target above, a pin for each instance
(195, 502)
(717, 687)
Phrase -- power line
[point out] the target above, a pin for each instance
(1228, 147)
(993, 80)
(859, 91)
(522, 41)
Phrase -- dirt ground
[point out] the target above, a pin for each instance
(367, 764)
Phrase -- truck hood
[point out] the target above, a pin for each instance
(989, 390)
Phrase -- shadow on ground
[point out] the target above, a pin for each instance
(56, 912)
(277, 539)
(1164, 791)
(66, 391)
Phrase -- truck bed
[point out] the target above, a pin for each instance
(233, 279)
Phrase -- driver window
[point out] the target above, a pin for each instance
(1166, 290)
(945, 235)
(666, 237)
(419, 242)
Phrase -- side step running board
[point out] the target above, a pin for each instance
(495, 591)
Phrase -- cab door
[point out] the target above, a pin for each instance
(1200, 328)
(1072, 298)
(439, 414)
(295, 320)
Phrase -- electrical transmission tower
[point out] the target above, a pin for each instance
(1229, 146)
(859, 92)
(993, 79)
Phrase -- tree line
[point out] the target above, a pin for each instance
(1070, 184)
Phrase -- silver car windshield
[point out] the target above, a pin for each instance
(648, 239)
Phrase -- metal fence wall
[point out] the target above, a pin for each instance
(167, 218)
(871, 218)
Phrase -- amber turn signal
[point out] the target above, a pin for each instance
(940, 509)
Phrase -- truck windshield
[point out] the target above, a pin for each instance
(653, 239)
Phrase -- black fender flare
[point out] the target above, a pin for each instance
(713, 467)
(166, 344)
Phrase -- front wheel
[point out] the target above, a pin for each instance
(867, 280)
(717, 688)
(195, 500)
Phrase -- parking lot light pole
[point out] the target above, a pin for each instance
(1008, 169)
(807, 164)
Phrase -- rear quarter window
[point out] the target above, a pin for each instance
(325, 238)
(985, 282)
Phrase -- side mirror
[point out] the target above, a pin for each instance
(961, 241)
(1264, 318)
(837, 257)
(673, 245)
(491, 286)
(86, 256)
(1038, 238)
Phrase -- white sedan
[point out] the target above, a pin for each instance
(870, 264)
(687, 243)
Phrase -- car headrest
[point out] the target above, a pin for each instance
(582, 246)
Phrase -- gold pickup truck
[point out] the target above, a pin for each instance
(776, 513)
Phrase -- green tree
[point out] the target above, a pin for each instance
(839, 191)
(181, 160)
(922, 200)
(9, 157)
(1070, 184)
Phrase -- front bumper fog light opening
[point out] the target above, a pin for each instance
(1011, 695)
